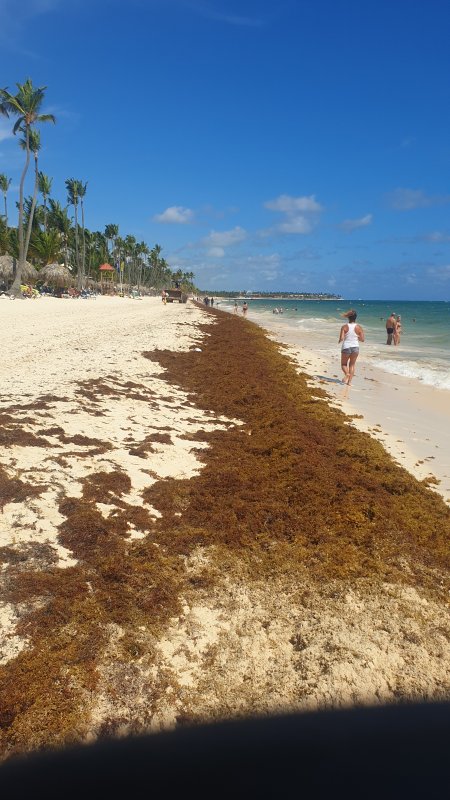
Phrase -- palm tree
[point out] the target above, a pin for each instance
(165, 273)
(34, 144)
(45, 187)
(82, 187)
(5, 183)
(58, 218)
(154, 261)
(45, 246)
(73, 196)
(98, 249)
(111, 234)
(26, 106)
(130, 255)
(4, 237)
(142, 252)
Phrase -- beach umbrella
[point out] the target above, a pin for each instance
(56, 275)
(8, 269)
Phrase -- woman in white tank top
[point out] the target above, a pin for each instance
(351, 335)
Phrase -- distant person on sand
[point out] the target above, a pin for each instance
(390, 328)
(351, 335)
(398, 329)
(245, 308)
(235, 307)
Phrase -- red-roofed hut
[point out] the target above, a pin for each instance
(107, 273)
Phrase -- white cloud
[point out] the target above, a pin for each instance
(408, 199)
(175, 215)
(290, 205)
(225, 238)
(300, 214)
(216, 252)
(350, 225)
(295, 224)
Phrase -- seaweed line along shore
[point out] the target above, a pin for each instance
(191, 531)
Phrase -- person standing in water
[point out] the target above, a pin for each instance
(390, 328)
(351, 335)
(398, 329)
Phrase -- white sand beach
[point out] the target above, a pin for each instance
(53, 349)
(74, 377)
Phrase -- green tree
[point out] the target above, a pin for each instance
(4, 238)
(26, 106)
(73, 197)
(5, 183)
(46, 246)
(34, 144)
(45, 187)
(155, 275)
(82, 188)
(111, 234)
(58, 218)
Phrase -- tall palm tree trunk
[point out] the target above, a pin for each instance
(33, 206)
(15, 288)
(6, 211)
(83, 244)
(77, 257)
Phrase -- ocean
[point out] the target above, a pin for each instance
(424, 350)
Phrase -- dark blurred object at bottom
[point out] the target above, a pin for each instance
(393, 751)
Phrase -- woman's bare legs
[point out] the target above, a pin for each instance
(351, 367)
(344, 365)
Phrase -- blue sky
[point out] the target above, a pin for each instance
(265, 144)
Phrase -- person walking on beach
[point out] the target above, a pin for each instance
(397, 329)
(351, 335)
(235, 307)
(390, 327)
(245, 308)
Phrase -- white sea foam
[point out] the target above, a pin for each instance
(431, 375)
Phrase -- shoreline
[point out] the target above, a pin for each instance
(411, 419)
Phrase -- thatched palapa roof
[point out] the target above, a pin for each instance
(56, 275)
(8, 266)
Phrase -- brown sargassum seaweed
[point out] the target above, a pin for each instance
(292, 488)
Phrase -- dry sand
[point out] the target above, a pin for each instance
(237, 648)
(55, 348)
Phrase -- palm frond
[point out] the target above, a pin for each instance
(46, 118)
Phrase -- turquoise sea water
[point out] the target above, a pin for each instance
(424, 350)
